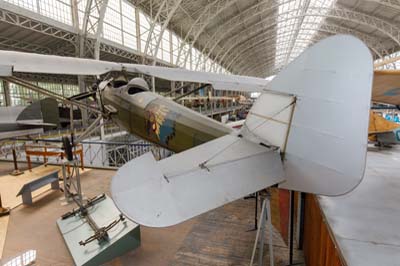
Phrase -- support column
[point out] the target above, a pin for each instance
(172, 88)
(80, 52)
(90, 25)
(7, 96)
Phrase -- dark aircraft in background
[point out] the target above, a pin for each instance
(34, 119)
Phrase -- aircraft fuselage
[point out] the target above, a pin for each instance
(160, 120)
(389, 138)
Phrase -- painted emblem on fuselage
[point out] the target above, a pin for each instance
(160, 121)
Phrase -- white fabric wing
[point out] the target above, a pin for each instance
(51, 64)
(327, 142)
(195, 181)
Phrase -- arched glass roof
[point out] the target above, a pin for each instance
(252, 37)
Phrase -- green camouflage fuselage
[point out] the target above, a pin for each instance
(160, 120)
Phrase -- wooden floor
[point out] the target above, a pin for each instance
(219, 237)
(224, 237)
(8, 199)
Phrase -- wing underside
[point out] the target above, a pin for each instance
(37, 63)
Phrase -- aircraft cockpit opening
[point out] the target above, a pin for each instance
(134, 90)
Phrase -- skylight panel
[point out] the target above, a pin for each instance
(295, 17)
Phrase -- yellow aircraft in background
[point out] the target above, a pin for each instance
(386, 89)
(383, 131)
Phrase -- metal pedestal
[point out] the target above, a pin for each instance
(16, 171)
(72, 181)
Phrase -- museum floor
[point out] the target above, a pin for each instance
(365, 221)
(219, 237)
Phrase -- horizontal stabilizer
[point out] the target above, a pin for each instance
(170, 191)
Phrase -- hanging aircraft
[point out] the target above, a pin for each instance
(382, 131)
(386, 90)
(298, 135)
(386, 86)
(17, 121)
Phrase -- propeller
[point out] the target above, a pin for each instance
(83, 95)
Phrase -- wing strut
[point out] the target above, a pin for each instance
(56, 96)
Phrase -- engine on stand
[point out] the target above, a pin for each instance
(95, 231)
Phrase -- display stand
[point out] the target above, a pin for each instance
(72, 181)
(95, 232)
(16, 171)
(265, 217)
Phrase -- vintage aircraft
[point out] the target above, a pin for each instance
(386, 89)
(386, 86)
(17, 121)
(382, 131)
(298, 134)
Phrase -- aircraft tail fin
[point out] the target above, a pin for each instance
(316, 112)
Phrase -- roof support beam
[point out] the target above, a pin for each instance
(26, 19)
(67, 34)
(160, 22)
(263, 7)
(254, 49)
(246, 50)
(244, 68)
(390, 30)
(340, 13)
(266, 69)
(23, 46)
(394, 4)
(302, 13)
(92, 24)
(198, 26)
(118, 50)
